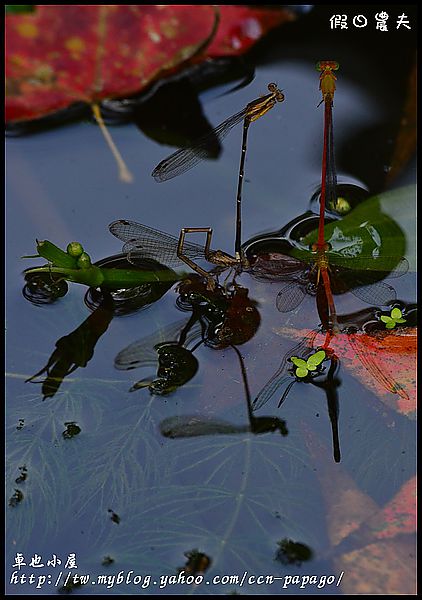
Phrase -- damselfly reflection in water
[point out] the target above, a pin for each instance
(219, 319)
(368, 340)
(184, 159)
(187, 426)
(176, 363)
(305, 363)
(75, 349)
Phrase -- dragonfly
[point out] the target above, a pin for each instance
(184, 159)
(327, 86)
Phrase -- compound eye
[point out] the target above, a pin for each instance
(327, 65)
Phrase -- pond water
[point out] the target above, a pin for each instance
(231, 495)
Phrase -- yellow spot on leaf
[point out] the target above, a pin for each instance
(154, 36)
(27, 29)
(170, 28)
(17, 60)
(44, 74)
(75, 44)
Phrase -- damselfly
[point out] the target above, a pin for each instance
(143, 242)
(288, 374)
(300, 278)
(327, 85)
(186, 158)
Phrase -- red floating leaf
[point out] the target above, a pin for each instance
(373, 547)
(347, 506)
(398, 516)
(63, 54)
(242, 26)
(385, 558)
(385, 362)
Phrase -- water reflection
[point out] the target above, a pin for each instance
(74, 350)
(220, 318)
(293, 553)
(194, 426)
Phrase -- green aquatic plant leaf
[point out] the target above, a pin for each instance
(374, 236)
(299, 362)
(310, 364)
(391, 320)
(397, 315)
(75, 265)
(315, 359)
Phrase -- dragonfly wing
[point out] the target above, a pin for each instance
(290, 296)
(277, 381)
(378, 294)
(276, 267)
(369, 363)
(137, 256)
(132, 233)
(145, 242)
(164, 253)
(400, 269)
(386, 267)
(282, 377)
(184, 159)
(193, 426)
(142, 353)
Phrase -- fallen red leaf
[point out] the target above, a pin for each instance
(374, 547)
(347, 506)
(242, 26)
(385, 362)
(62, 54)
(398, 517)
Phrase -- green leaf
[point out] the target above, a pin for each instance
(315, 359)
(299, 362)
(372, 236)
(386, 319)
(396, 314)
(391, 324)
(400, 320)
(301, 372)
(19, 8)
